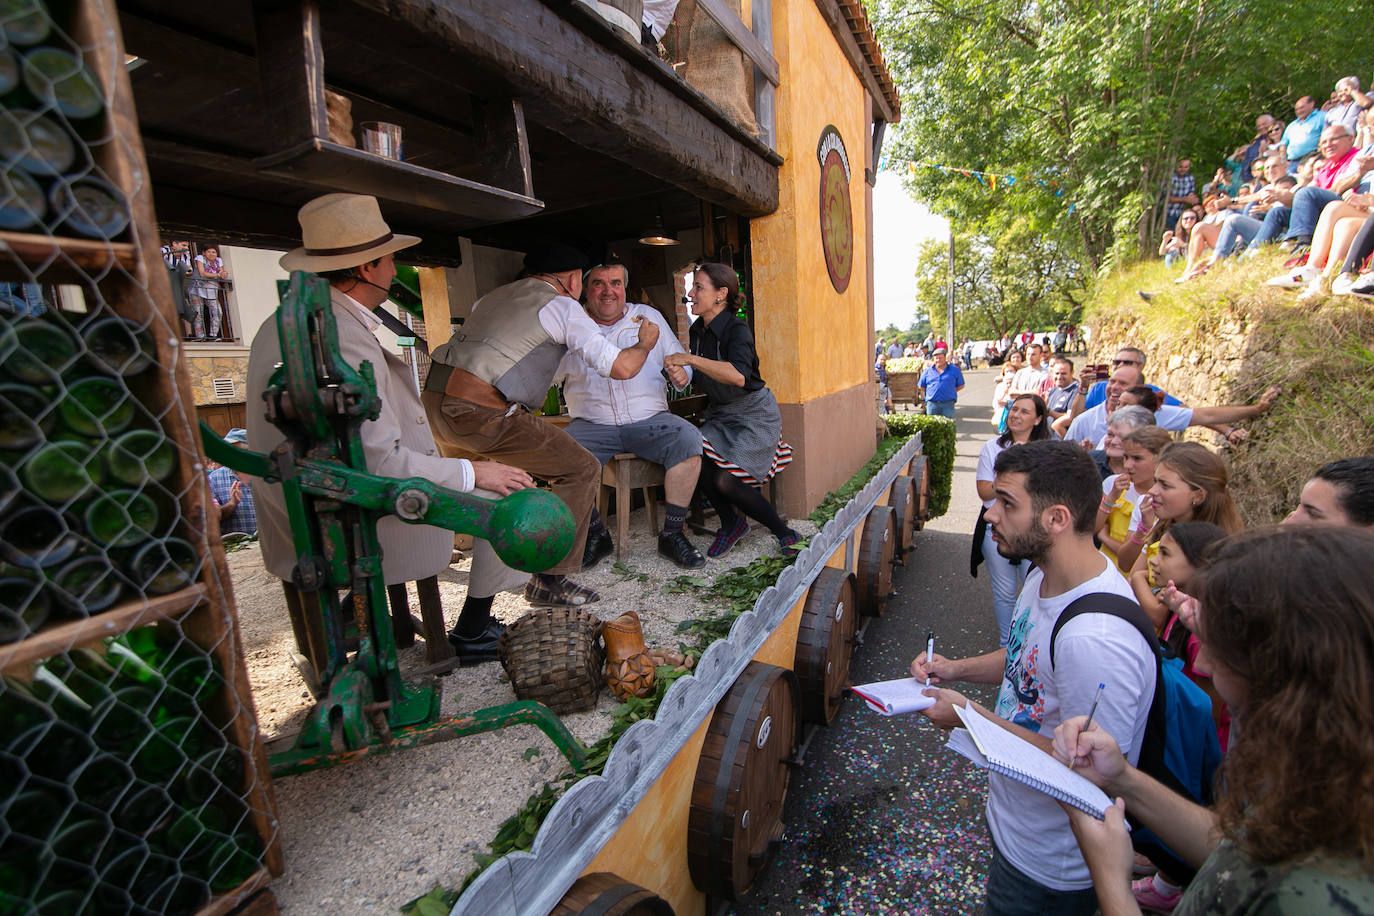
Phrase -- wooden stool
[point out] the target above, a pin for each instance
(624, 474)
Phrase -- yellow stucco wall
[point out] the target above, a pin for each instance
(813, 341)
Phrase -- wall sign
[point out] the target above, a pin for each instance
(837, 219)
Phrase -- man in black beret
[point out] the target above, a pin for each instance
(495, 371)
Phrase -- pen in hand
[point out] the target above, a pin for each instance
(930, 652)
(1092, 710)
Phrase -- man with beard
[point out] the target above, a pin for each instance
(1046, 503)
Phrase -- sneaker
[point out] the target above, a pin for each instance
(1342, 285)
(1294, 280)
(727, 539)
(1317, 289)
(677, 548)
(1143, 889)
(1364, 285)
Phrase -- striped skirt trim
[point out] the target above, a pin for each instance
(782, 457)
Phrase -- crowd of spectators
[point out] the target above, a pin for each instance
(1306, 186)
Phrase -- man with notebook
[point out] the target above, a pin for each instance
(1047, 494)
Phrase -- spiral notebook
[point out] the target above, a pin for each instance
(994, 748)
(891, 698)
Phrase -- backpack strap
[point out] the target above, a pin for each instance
(1113, 606)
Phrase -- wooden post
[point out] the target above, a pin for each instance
(291, 68)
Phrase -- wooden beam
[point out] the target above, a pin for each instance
(291, 68)
(744, 39)
(574, 85)
(844, 35)
(503, 145)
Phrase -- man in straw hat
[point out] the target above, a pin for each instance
(488, 377)
(349, 244)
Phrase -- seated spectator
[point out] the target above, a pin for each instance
(611, 416)
(1276, 218)
(1238, 230)
(1301, 135)
(1285, 621)
(235, 501)
(1205, 233)
(1340, 493)
(1337, 228)
(1064, 387)
(1347, 109)
(1242, 160)
(1190, 486)
(1174, 244)
(1341, 169)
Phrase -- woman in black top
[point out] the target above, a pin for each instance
(742, 433)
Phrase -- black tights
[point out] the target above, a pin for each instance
(1360, 248)
(727, 494)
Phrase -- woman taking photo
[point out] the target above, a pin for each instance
(742, 435)
(1286, 628)
(1027, 421)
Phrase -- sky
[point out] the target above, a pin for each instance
(900, 224)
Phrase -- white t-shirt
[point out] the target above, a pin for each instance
(1029, 827)
(615, 402)
(986, 459)
(1091, 424)
(1029, 379)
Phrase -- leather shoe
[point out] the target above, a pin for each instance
(677, 548)
(473, 650)
(598, 546)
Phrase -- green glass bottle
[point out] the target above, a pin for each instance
(102, 781)
(53, 749)
(24, 607)
(37, 537)
(118, 346)
(195, 833)
(61, 471)
(118, 874)
(81, 835)
(22, 202)
(36, 143)
(167, 748)
(121, 518)
(124, 719)
(140, 456)
(87, 584)
(27, 416)
(218, 773)
(234, 861)
(33, 813)
(193, 672)
(89, 207)
(164, 565)
(20, 710)
(60, 901)
(25, 22)
(180, 893)
(145, 809)
(36, 351)
(96, 407)
(62, 81)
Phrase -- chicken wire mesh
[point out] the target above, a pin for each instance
(124, 783)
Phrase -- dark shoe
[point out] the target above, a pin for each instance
(473, 650)
(565, 593)
(1144, 295)
(790, 543)
(1364, 285)
(677, 548)
(725, 539)
(598, 546)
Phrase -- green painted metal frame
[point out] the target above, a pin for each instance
(333, 504)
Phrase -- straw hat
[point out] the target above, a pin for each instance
(342, 231)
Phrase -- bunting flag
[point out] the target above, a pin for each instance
(989, 180)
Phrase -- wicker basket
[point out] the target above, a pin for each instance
(554, 655)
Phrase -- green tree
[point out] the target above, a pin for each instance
(1091, 104)
(1007, 276)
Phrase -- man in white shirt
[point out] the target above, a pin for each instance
(611, 416)
(1091, 425)
(1044, 511)
(1034, 378)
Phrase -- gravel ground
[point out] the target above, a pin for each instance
(371, 835)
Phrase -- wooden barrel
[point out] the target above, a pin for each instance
(604, 894)
(921, 486)
(825, 641)
(876, 549)
(902, 499)
(735, 821)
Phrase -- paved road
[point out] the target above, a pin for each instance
(883, 820)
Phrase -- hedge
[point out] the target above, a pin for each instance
(937, 444)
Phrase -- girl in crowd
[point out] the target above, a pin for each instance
(1119, 513)
(742, 435)
(1174, 246)
(1286, 627)
(1027, 421)
(1190, 486)
(1001, 395)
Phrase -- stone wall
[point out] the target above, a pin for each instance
(204, 369)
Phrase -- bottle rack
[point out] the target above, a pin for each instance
(128, 276)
